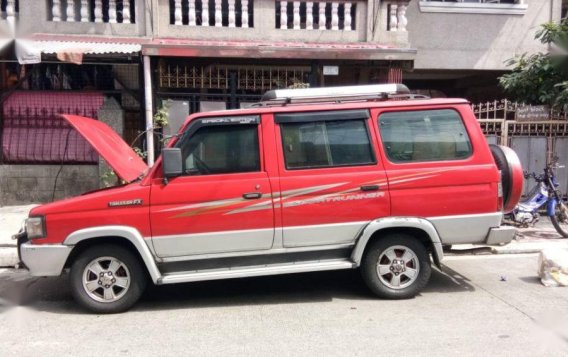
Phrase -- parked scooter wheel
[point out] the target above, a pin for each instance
(560, 219)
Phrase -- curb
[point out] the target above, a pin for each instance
(492, 251)
(517, 251)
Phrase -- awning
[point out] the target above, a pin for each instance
(30, 51)
(268, 49)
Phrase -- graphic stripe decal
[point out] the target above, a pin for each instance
(284, 199)
(285, 195)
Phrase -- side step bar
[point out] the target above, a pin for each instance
(249, 271)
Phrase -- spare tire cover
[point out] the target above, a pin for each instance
(512, 178)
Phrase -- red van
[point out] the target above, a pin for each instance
(365, 177)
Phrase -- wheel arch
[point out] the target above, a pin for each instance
(419, 228)
(127, 237)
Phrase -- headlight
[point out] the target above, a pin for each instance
(35, 227)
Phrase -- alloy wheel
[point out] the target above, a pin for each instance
(106, 279)
(398, 267)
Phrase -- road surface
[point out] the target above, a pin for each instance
(478, 305)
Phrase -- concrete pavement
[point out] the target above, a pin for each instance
(467, 309)
(529, 240)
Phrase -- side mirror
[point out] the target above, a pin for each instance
(171, 163)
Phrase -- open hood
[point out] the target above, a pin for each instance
(123, 160)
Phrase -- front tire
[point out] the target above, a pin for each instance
(396, 267)
(560, 219)
(107, 279)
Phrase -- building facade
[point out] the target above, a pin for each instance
(462, 47)
(88, 57)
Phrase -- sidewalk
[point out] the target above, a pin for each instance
(528, 240)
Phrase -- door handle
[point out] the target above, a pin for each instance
(370, 188)
(252, 195)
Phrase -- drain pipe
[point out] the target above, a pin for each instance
(149, 112)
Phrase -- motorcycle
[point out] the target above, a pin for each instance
(545, 192)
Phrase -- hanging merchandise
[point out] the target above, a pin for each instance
(27, 52)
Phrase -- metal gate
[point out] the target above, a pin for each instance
(532, 152)
(536, 142)
(561, 151)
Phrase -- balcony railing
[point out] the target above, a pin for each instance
(309, 21)
(8, 9)
(316, 15)
(397, 20)
(103, 11)
(345, 21)
(483, 1)
(212, 13)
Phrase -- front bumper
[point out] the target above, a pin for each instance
(500, 235)
(44, 260)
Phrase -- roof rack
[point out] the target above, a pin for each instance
(337, 94)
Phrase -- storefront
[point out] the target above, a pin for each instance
(42, 157)
(195, 76)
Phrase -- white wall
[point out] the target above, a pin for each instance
(476, 41)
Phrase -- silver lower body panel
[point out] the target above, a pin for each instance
(466, 229)
(213, 242)
(45, 260)
(322, 234)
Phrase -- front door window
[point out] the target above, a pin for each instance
(221, 150)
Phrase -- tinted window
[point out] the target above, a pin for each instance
(326, 144)
(429, 135)
(221, 150)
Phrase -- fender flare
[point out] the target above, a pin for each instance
(398, 222)
(129, 233)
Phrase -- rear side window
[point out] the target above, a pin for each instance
(317, 144)
(427, 135)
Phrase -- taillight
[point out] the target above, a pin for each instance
(499, 195)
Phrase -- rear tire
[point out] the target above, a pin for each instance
(560, 219)
(107, 279)
(396, 267)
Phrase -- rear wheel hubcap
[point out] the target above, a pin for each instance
(398, 267)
